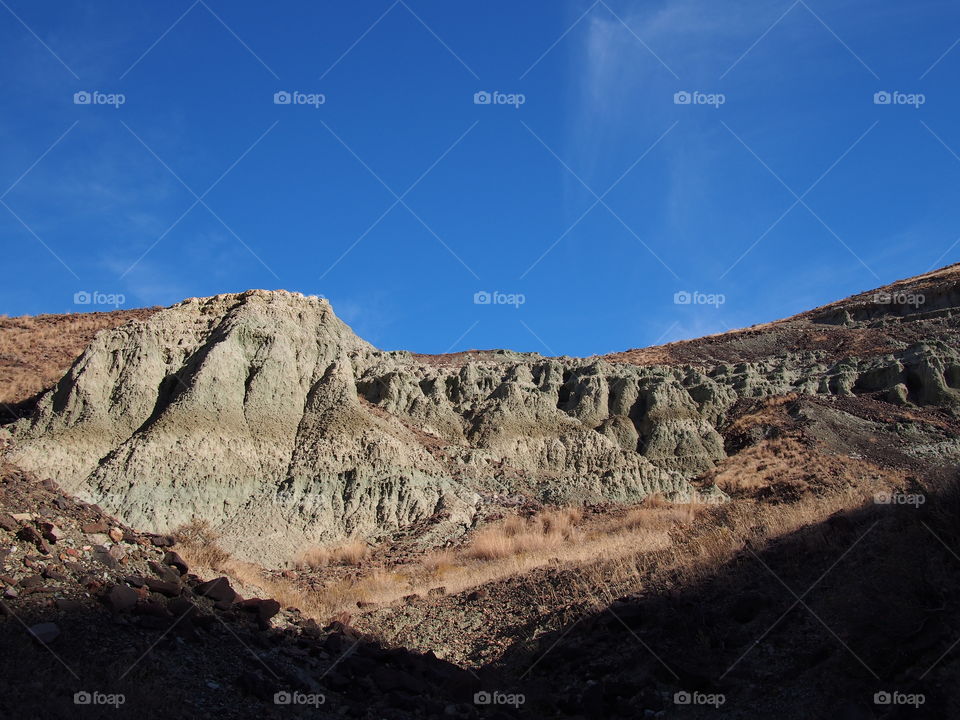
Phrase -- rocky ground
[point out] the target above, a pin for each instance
(865, 539)
(99, 620)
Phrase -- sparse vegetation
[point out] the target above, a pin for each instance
(200, 538)
(349, 553)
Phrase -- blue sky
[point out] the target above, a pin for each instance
(783, 184)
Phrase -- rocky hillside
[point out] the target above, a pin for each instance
(264, 410)
(100, 620)
(35, 351)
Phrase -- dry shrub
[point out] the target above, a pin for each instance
(514, 525)
(561, 522)
(439, 561)
(313, 558)
(378, 587)
(287, 593)
(491, 544)
(655, 500)
(198, 542)
(352, 552)
(517, 535)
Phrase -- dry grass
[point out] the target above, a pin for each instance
(763, 464)
(517, 535)
(770, 413)
(608, 554)
(439, 562)
(313, 558)
(657, 518)
(197, 542)
(352, 552)
(550, 537)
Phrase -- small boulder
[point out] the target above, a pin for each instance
(31, 581)
(153, 608)
(164, 588)
(53, 574)
(268, 608)
(45, 632)
(51, 532)
(174, 560)
(164, 572)
(122, 598)
(217, 590)
(103, 556)
(117, 552)
(181, 607)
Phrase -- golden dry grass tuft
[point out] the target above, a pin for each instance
(517, 535)
(438, 562)
(352, 552)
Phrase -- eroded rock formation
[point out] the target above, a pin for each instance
(265, 414)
